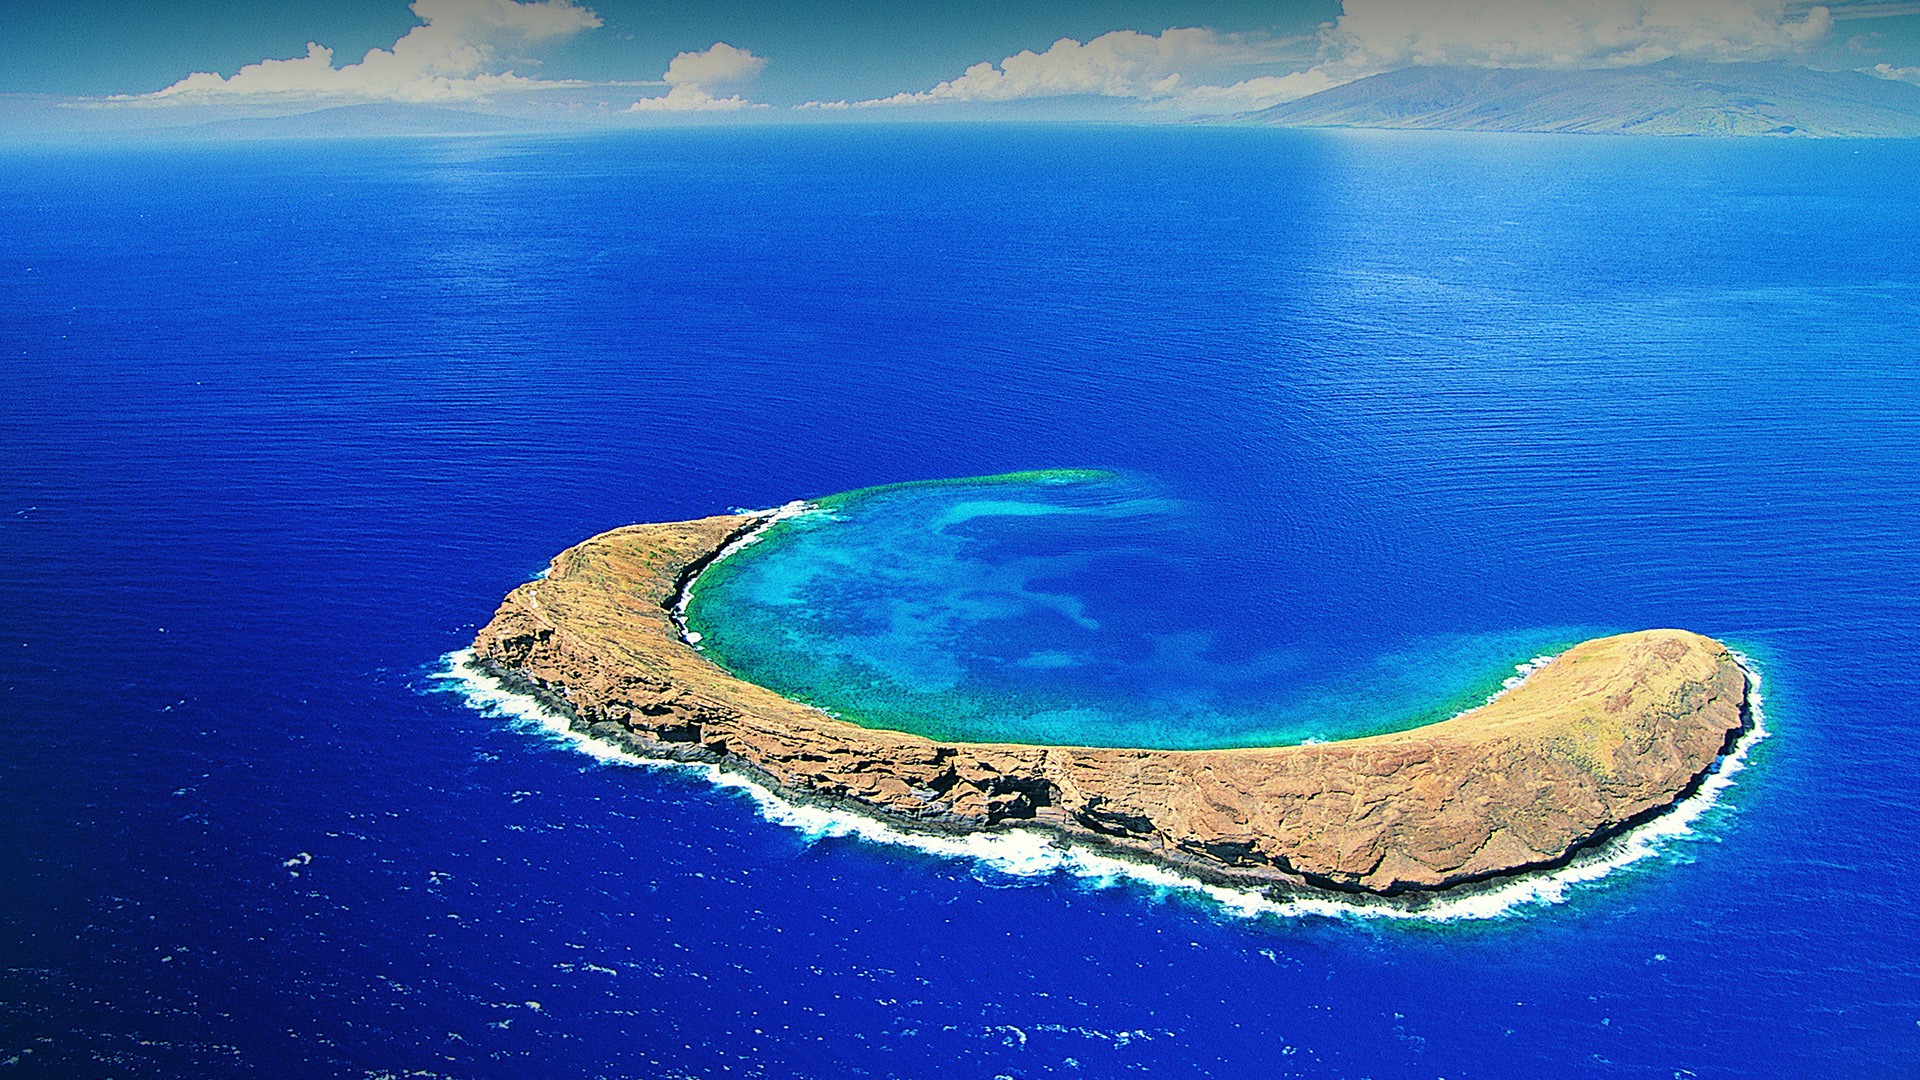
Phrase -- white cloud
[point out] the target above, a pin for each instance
(1255, 93)
(722, 65)
(693, 78)
(1120, 64)
(453, 56)
(1382, 35)
(692, 99)
(1898, 74)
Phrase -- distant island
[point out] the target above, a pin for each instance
(1611, 732)
(371, 120)
(1673, 97)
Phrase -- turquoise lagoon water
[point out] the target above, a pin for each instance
(1062, 607)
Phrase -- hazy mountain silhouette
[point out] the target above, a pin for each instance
(370, 120)
(1674, 97)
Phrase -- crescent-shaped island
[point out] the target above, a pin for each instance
(1611, 733)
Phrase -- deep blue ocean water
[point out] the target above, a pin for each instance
(282, 422)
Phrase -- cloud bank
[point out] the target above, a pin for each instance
(696, 79)
(1119, 64)
(455, 55)
(1180, 69)
(1387, 34)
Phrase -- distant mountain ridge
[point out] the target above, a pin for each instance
(371, 120)
(1674, 97)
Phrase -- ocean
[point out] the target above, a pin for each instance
(1382, 416)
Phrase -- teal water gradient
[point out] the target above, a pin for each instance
(1064, 607)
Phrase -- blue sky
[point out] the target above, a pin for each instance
(641, 60)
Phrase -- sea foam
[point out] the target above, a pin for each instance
(1032, 853)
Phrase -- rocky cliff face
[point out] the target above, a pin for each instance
(1612, 731)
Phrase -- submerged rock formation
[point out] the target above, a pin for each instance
(1611, 732)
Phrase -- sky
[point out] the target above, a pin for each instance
(160, 62)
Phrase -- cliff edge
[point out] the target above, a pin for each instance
(1614, 730)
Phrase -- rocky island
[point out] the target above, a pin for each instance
(1612, 732)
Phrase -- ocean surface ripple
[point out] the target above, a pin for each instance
(284, 421)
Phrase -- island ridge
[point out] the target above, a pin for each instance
(1610, 733)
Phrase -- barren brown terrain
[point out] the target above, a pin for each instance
(1612, 731)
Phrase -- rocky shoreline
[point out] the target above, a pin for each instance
(1612, 733)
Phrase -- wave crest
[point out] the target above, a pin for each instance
(1025, 853)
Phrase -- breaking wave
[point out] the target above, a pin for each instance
(1033, 853)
